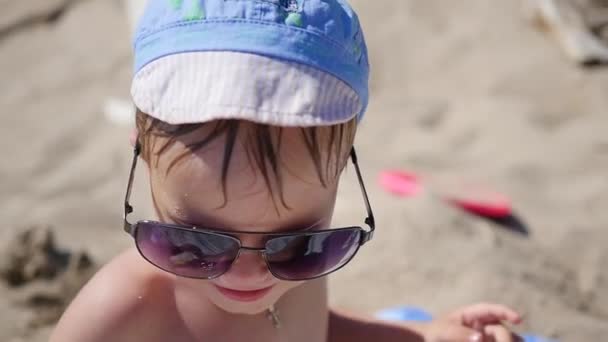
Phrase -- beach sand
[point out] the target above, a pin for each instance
(461, 89)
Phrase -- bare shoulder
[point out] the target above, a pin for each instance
(120, 303)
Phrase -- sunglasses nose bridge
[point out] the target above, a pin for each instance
(258, 250)
(249, 263)
(260, 254)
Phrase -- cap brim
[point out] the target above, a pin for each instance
(198, 87)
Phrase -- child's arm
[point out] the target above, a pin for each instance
(88, 320)
(95, 315)
(481, 322)
(111, 307)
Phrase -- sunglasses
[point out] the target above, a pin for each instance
(207, 253)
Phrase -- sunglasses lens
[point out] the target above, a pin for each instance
(304, 257)
(186, 253)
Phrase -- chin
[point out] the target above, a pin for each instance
(239, 308)
(253, 307)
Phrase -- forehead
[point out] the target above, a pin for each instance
(191, 191)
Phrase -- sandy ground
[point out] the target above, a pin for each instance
(466, 89)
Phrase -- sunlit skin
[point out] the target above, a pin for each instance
(131, 300)
(191, 193)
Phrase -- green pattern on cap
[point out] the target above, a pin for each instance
(196, 12)
(294, 19)
(176, 4)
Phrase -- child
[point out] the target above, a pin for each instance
(247, 112)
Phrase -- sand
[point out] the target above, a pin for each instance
(460, 89)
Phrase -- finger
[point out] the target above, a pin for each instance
(485, 313)
(497, 310)
(499, 333)
(455, 333)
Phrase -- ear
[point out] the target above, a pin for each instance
(133, 136)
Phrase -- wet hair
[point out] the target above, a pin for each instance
(328, 147)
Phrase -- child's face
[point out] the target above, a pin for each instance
(191, 193)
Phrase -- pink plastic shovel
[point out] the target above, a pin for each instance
(468, 196)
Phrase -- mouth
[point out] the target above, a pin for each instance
(244, 296)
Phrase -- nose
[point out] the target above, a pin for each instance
(249, 268)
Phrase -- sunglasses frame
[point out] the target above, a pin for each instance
(261, 250)
(365, 235)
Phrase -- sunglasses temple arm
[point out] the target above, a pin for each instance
(370, 221)
(128, 227)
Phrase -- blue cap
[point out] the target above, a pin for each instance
(322, 36)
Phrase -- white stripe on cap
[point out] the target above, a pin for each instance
(203, 86)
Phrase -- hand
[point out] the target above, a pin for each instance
(475, 323)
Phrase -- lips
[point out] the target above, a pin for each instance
(244, 295)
